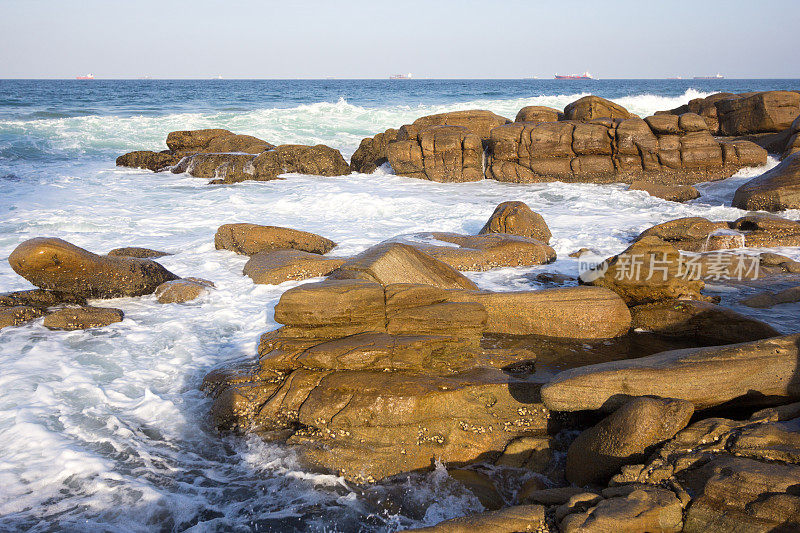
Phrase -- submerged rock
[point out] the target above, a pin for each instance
(182, 290)
(672, 193)
(250, 239)
(73, 318)
(57, 265)
(155, 161)
(760, 372)
(18, 314)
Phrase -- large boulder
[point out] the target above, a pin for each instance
(592, 107)
(393, 262)
(183, 143)
(650, 270)
(624, 437)
(371, 153)
(704, 107)
(57, 265)
(477, 121)
(704, 322)
(440, 153)
(276, 266)
(666, 149)
(250, 239)
(757, 372)
(573, 312)
(155, 161)
(775, 190)
(635, 510)
(516, 218)
(770, 111)
(482, 252)
(538, 113)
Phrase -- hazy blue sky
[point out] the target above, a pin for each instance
(372, 39)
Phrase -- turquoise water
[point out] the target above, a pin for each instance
(105, 430)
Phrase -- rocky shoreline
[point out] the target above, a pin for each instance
(624, 399)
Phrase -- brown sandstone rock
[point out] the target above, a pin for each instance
(508, 520)
(532, 453)
(485, 251)
(592, 107)
(18, 315)
(476, 121)
(624, 437)
(188, 140)
(516, 218)
(211, 141)
(749, 373)
(769, 111)
(442, 153)
(705, 107)
(768, 299)
(155, 161)
(703, 321)
(60, 266)
(72, 318)
(538, 113)
(134, 251)
(645, 509)
(276, 266)
(574, 312)
(775, 190)
(648, 271)
(672, 193)
(481, 486)
(250, 239)
(182, 290)
(371, 153)
(393, 262)
(39, 298)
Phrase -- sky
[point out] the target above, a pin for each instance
(375, 38)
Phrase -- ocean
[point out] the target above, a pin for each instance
(106, 430)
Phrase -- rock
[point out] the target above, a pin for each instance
(607, 151)
(221, 168)
(539, 113)
(250, 239)
(697, 234)
(756, 372)
(57, 265)
(704, 322)
(319, 160)
(532, 453)
(792, 144)
(214, 141)
(672, 193)
(182, 290)
(73, 318)
(443, 154)
(371, 153)
(592, 107)
(775, 190)
(577, 504)
(508, 520)
(644, 509)
(768, 299)
(39, 298)
(572, 312)
(624, 437)
(516, 218)
(393, 262)
(770, 111)
(705, 107)
(18, 315)
(552, 496)
(481, 486)
(276, 266)
(482, 252)
(155, 161)
(650, 270)
(476, 121)
(133, 251)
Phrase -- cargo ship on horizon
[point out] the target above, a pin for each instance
(584, 76)
(400, 76)
(85, 77)
(717, 77)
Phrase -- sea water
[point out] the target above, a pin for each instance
(106, 430)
